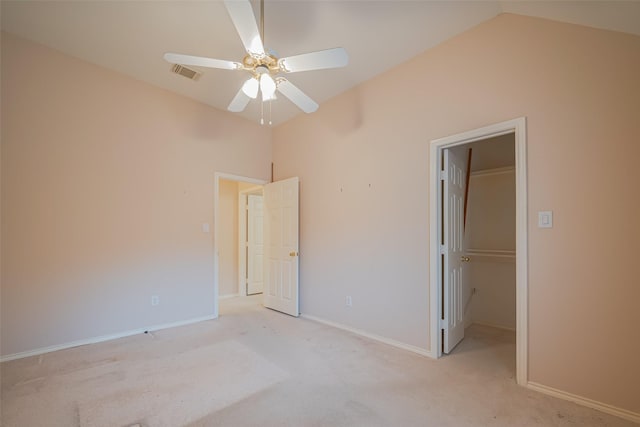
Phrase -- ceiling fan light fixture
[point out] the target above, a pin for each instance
(250, 88)
(264, 67)
(267, 86)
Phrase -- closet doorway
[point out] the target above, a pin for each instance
(455, 301)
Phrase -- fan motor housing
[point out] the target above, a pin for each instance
(260, 65)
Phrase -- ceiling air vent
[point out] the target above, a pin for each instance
(185, 72)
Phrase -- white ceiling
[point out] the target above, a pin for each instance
(132, 36)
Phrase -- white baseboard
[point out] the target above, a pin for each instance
(603, 407)
(388, 341)
(102, 338)
(228, 296)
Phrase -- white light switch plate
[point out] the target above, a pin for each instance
(545, 219)
(205, 227)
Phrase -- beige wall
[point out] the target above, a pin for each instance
(363, 164)
(106, 182)
(491, 211)
(228, 238)
(242, 186)
(492, 153)
(491, 227)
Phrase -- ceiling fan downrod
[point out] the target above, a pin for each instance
(262, 21)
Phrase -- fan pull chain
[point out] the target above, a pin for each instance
(269, 112)
(262, 113)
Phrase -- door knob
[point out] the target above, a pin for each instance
(293, 253)
(465, 258)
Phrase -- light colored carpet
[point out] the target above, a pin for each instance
(256, 367)
(192, 384)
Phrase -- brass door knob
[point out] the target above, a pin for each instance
(465, 258)
(293, 253)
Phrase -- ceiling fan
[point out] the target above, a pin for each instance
(264, 68)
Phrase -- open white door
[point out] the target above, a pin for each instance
(281, 246)
(453, 251)
(255, 246)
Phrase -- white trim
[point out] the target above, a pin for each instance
(518, 127)
(589, 403)
(229, 296)
(522, 254)
(388, 341)
(216, 211)
(434, 250)
(495, 171)
(257, 190)
(102, 338)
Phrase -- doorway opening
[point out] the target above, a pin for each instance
(231, 193)
(451, 252)
(280, 241)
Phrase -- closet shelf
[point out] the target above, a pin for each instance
(498, 255)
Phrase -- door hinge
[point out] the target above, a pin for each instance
(443, 324)
(443, 250)
(443, 175)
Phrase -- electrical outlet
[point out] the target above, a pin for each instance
(155, 300)
(349, 302)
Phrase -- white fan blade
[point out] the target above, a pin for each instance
(244, 20)
(239, 102)
(322, 59)
(200, 61)
(296, 96)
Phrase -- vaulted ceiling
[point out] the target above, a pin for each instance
(131, 36)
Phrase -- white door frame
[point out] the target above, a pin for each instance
(216, 214)
(518, 127)
(242, 237)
